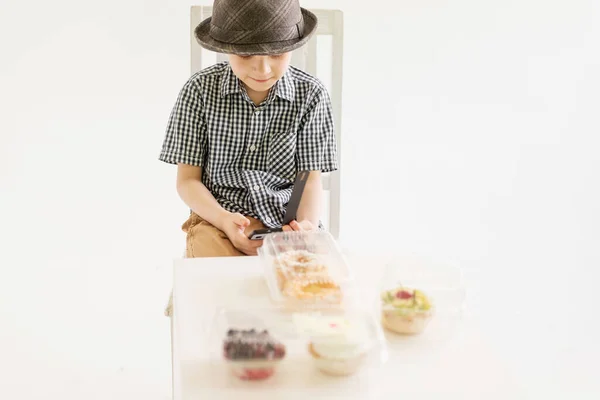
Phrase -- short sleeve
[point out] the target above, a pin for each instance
(185, 140)
(316, 145)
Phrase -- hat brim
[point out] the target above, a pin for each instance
(205, 40)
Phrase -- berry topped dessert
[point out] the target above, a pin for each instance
(406, 310)
(252, 354)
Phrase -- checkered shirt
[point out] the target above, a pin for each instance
(250, 154)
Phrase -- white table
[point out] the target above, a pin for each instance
(476, 358)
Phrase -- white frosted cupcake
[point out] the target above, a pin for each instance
(405, 310)
(338, 347)
(338, 359)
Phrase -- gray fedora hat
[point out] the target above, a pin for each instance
(256, 27)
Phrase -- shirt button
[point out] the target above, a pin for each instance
(256, 112)
(256, 187)
(252, 148)
(268, 219)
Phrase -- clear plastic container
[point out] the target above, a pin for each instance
(247, 343)
(311, 346)
(342, 344)
(306, 270)
(417, 294)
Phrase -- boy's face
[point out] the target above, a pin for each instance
(259, 73)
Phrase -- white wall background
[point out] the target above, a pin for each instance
(470, 133)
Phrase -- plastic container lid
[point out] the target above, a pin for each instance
(306, 270)
(343, 335)
(418, 295)
(335, 334)
(436, 284)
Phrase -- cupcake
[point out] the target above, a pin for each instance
(337, 346)
(252, 355)
(405, 310)
(337, 359)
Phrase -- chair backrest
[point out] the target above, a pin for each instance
(321, 57)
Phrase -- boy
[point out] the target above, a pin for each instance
(241, 130)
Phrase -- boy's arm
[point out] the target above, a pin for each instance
(193, 192)
(309, 208)
(315, 152)
(197, 197)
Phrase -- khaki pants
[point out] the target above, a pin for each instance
(205, 240)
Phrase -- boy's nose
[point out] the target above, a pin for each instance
(262, 65)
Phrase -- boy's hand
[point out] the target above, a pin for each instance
(304, 225)
(234, 225)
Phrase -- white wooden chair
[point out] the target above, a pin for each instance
(320, 57)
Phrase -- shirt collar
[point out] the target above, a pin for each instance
(283, 88)
(230, 83)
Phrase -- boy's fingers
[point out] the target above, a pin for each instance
(286, 228)
(241, 220)
(253, 243)
(251, 249)
(306, 225)
(250, 244)
(249, 252)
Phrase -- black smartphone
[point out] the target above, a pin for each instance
(290, 211)
(260, 234)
